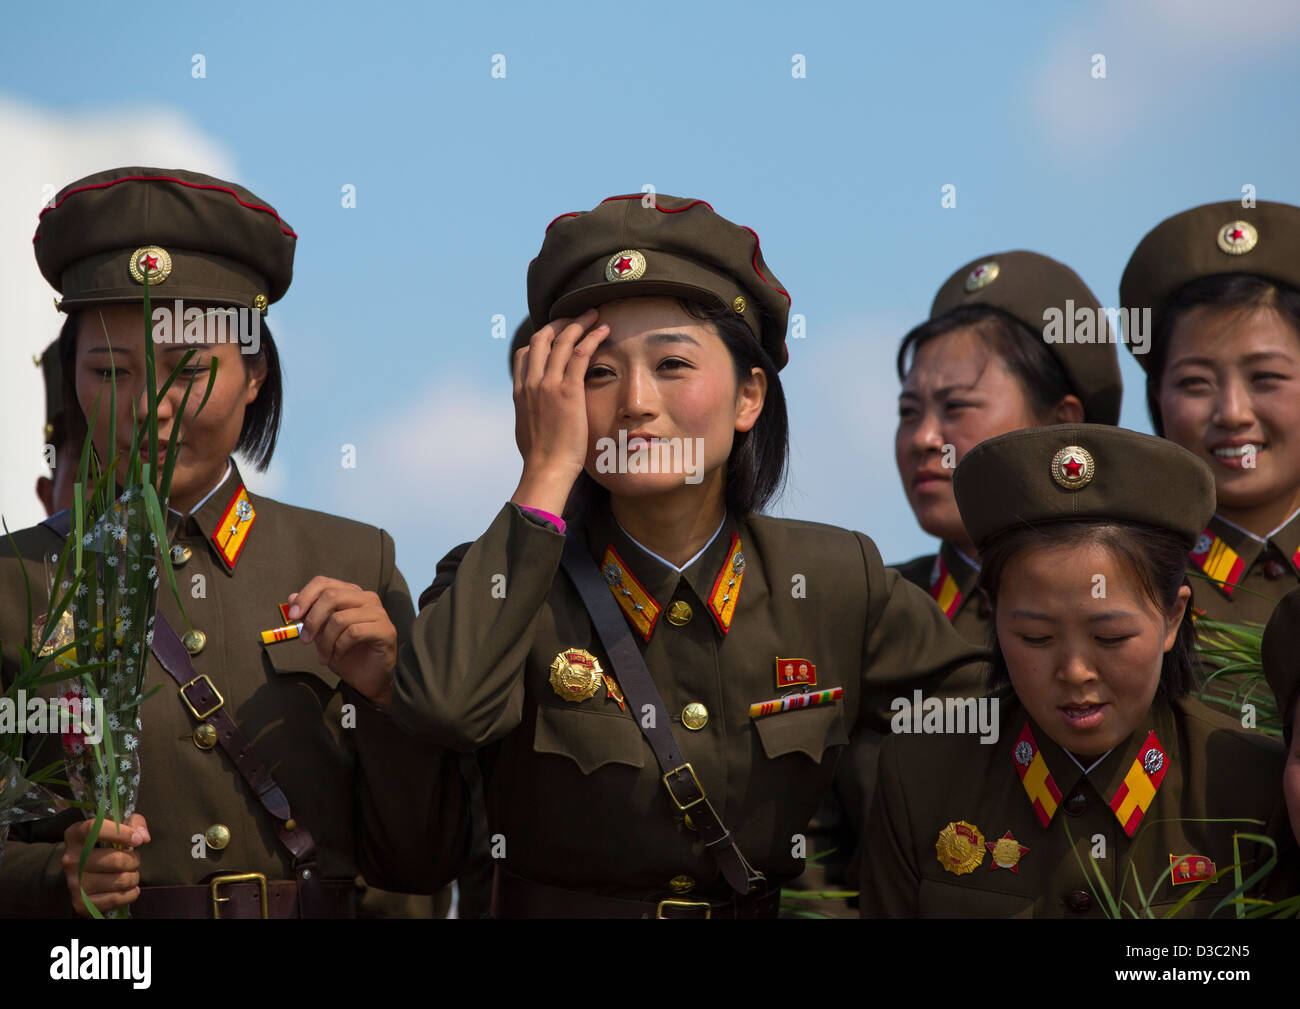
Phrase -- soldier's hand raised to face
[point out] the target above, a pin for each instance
(551, 408)
(352, 634)
(112, 875)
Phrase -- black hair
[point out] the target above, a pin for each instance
(756, 467)
(1223, 291)
(1156, 557)
(1039, 372)
(261, 427)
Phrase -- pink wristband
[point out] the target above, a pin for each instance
(555, 520)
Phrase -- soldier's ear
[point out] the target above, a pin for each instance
(255, 375)
(1068, 411)
(45, 491)
(750, 397)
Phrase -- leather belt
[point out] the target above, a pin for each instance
(250, 895)
(516, 897)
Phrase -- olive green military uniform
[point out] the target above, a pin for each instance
(770, 609)
(1280, 657)
(1019, 827)
(952, 579)
(376, 801)
(958, 828)
(1250, 574)
(573, 788)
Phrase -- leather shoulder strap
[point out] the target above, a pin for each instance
(207, 705)
(639, 689)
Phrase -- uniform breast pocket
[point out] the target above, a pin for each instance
(806, 730)
(939, 899)
(294, 662)
(589, 739)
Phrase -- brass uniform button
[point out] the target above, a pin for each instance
(194, 640)
(290, 824)
(217, 836)
(681, 884)
(181, 555)
(695, 716)
(1076, 804)
(205, 736)
(1080, 901)
(1273, 569)
(680, 613)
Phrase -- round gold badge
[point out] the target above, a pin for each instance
(626, 265)
(1236, 238)
(738, 306)
(695, 716)
(576, 675)
(1073, 468)
(960, 847)
(259, 303)
(153, 261)
(982, 276)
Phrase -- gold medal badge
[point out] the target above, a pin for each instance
(576, 675)
(1007, 853)
(960, 847)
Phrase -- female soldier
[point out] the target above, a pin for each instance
(696, 660)
(341, 799)
(1102, 764)
(1221, 285)
(1000, 351)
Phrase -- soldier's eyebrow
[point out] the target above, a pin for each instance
(673, 338)
(1031, 614)
(1111, 615)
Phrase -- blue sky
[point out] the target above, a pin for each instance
(386, 331)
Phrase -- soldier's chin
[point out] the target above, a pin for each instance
(641, 485)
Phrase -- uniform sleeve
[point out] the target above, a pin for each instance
(413, 804)
(460, 680)
(909, 645)
(890, 878)
(32, 884)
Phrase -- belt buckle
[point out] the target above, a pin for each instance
(708, 908)
(677, 772)
(211, 686)
(243, 877)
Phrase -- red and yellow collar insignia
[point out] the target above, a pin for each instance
(795, 673)
(1190, 868)
(630, 594)
(1139, 786)
(726, 590)
(232, 530)
(943, 588)
(1035, 776)
(1219, 561)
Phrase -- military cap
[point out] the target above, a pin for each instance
(1280, 654)
(632, 246)
(198, 238)
(1082, 472)
(1217, 238)
(52, 372)
(1027, 285)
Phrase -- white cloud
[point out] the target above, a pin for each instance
(1160, 55)
(44, 151)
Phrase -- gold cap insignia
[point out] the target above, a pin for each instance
(1237, 238)
(576, 675)
(981, 276)
(1007, 852)
(626, 265)
(738, 306)
(151, 261)
(1073, 468)
(960, 847)
(259, 303)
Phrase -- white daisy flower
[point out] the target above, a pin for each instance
(129, 741)
(114, 722)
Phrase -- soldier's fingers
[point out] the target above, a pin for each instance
(367, 633)
(109, 833)
(520, 366)
(301, 602)
(106, 901)
(95, 883)
(539, 349)
(102, 860)
(339, 596)
(580, 359)
(562, 348)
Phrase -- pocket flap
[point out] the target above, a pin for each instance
(804, 730)
(293, 657)
(588, 738)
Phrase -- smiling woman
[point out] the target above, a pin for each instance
(1104, 781)
(695, 658)
(1223, 381)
